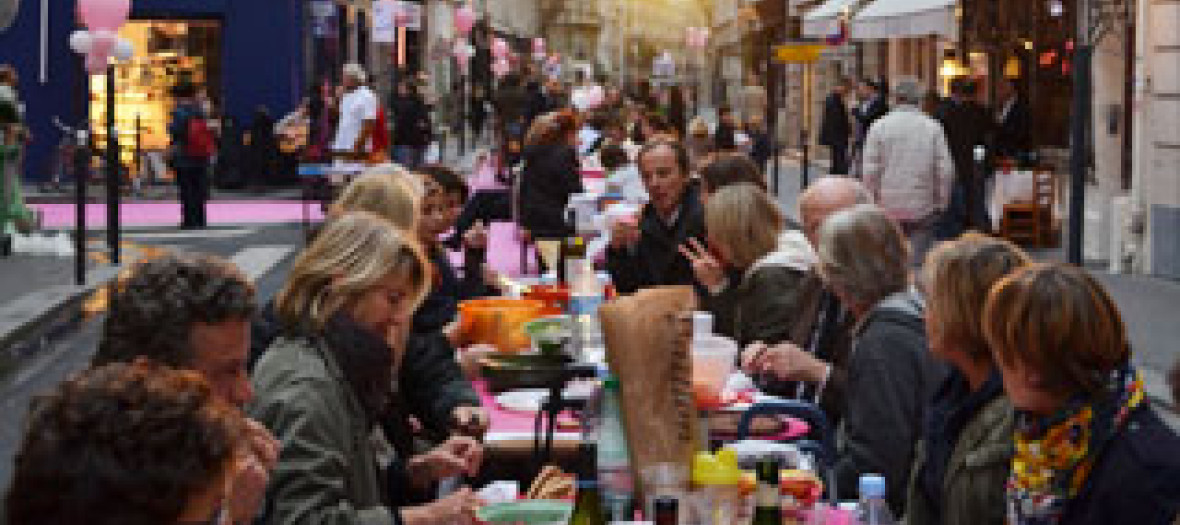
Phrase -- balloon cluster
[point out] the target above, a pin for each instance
(539, 49)
(503, 55)
(462, 51)
(103, 19)
(464, 19)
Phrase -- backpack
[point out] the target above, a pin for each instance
(199, 141)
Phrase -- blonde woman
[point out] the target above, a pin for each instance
(388, 191)
(966, 449)
(757, 269)
(321, 389)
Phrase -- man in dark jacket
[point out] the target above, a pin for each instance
(411, 126)
(967, 125)
(1013, 138)
(871, 107)
(647, 253)
(835, 128)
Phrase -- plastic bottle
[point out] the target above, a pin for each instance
(718, 477)
(874, 510)
(613, 461)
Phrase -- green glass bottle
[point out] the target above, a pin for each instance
(588, 508)
(768, 503)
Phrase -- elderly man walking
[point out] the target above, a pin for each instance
(908, 167)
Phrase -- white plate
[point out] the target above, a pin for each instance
(530, 399)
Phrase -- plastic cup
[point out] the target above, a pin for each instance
(712, 362)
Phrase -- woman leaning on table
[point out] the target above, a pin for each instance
(965, 453)
(1089, 448)
(322, 386)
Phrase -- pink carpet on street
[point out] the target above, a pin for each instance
(167, 213)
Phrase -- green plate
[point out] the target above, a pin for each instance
(529, 511)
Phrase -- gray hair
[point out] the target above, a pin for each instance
(356, 72)
(909, 91)
(863, 253)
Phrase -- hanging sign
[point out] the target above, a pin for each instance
(798, 53)
(408, 15)
(323, 18)
(384, 22)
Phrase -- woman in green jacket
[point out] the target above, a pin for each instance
(321, 389)
(964, 457)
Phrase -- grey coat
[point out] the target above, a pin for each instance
(327, 472)
(973, 488)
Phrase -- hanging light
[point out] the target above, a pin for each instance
(1056, 9)
(951, 67)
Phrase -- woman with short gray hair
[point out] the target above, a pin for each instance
(864, 259)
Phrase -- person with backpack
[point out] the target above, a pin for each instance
(192, 147)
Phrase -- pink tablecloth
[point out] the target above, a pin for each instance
(508, 425)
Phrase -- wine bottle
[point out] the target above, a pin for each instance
(768, 503)
(588, 505)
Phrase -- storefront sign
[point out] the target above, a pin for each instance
(323, 18)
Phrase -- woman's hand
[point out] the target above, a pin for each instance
(708, 269)
(624, 234)
(458, 455)
(457, 508)
(254, 465)
(785, 362)
(476, 237)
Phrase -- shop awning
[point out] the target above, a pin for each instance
(821, 21)
(884, 19)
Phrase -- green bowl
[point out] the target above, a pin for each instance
(529, 511)
(550, 334)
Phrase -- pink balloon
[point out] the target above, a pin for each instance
(464, 19)
(104, 14)
(538, 46)
(102, 43)
(499, 48)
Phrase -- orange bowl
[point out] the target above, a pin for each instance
(499, 322)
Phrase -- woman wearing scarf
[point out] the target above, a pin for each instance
(965, 454)
(1089, 449)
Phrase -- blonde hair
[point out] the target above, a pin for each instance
(745, 221)
(349, 257)
(957, 277)
(387, 191)
(698, 127)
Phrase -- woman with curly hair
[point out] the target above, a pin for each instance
(127, 444)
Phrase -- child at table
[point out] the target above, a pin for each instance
(445, 194)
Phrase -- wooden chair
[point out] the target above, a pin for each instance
(1031, 221)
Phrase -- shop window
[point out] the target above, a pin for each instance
(166, 52)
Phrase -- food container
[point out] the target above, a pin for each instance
(712, 362)
(550, 335)
(527, 511)
(499, 322)
(555, 296)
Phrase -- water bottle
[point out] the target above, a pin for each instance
(874, 510)
(614, 462)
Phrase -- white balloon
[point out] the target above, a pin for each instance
(80, 41)
(123, 49)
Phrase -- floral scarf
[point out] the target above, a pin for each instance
(1055, 453)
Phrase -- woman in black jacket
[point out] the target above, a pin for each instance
(411, 126)
(1089, 448)
(551, 174)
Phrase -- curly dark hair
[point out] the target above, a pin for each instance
(731, 168)
(122, 444)
(154, 308)
(448, 179)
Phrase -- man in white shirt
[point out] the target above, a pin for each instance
(358, 115)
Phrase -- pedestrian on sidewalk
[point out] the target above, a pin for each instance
(412, 130)
(190, 151)
(836, 128)
(872, 104)
(752, 100)
(478, 113)
(358, 116)
(908, 168)
(725, 136)
(761, 147)
(968, 125)
(677, 111)
(551, 174)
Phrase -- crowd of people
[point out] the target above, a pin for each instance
(985, 387)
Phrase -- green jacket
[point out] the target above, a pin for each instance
(327, 472)
(973, 490)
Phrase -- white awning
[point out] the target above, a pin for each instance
(884, 19)
(821, 21)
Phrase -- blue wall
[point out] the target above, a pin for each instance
(262, 61)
